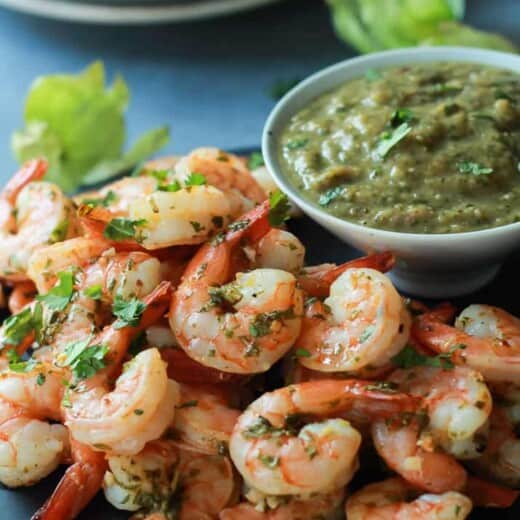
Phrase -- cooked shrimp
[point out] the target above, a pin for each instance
(23, 293)
(279, 249)
(397, 442)
(391, 500)
(501, 458)
(363, 323)
(489, 341)
(277, 456)
(282, 508)
(204, 419)
(457, 402)
(141, 405)
(170, 483)
(243, 325)
(32, 214)
(77, 487)
(225, 171)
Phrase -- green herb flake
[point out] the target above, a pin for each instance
(473, 168)
(197, 226)
(409, 358)
(279, 208)
(256, 159)
(296, 144)
(366, 334)
(60, 295)
(171, 187)
(16, 328)
(330, 195)
(120, 228)
(400, 116)
(217, 221)
(195, 179)
(85, 360)
(238, 225)
(94, 291)
(261, 325)
(390, 139)
(127, 312)
(17, 364)
(40, 379)
(302, 353)
(260, 428)
(269, 461)
(105, 201)
(138, 411)
(188, 404)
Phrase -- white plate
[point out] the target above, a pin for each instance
(134, 14)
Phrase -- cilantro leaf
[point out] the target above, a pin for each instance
(302, 353)
(94, 291)
(16, 328)
(390, 139)
(105, 201)
(195, 179)
(279, 208)
(170, 187)
(123, 228)
(295, 144)
(84, 359)
(473, 168)
(409, 358)
(128, 312)
(256, 159)
(60, 295)
(17, 364)
(330, 195)
(400, 116)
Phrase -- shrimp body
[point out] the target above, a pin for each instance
(204, 419)
(458, 404)
(138, 410)
(489, 341)
(389, 500)
(277, 456)
(280, 249)
(366, 325)
(241, 325)
(33, 214)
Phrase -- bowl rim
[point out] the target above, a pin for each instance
(408, 55)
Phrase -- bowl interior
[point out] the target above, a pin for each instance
(331, 77)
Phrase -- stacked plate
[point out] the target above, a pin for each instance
(131, 11)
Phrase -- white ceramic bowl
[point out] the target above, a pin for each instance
(429, 265)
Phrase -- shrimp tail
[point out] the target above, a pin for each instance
(33, 170)
(256, 225)
(157, 303)
(78, 486)
(487, 494)
(317, 281)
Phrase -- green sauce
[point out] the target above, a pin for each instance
(431, 148)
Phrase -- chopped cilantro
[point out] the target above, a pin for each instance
(160, 175)
(279, 208)
(256, 159)
(261, 325)
(268, 460)
(366, 334)
(259, 428)
(330, 195)
(16, 364)
(302, 352)
(138, 411)
(295, 144)
(105, 201)
(217, 221)
(84, 359)
(94, 291)
(473, 168)
(188, 404)
(127, 312)
(40, 379)
(195, 179)
(280, 87)
(409, 358)
(16, 328)
(400, 116)
(122, 228)
(171, 187)
(60, 295)
(197, 226)
(390, 139)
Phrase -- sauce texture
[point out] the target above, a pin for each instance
(431, 148)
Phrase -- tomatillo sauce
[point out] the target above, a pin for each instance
(432, 148)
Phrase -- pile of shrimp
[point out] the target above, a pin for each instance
(169, 345)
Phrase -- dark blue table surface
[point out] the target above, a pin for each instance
(206, 79)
